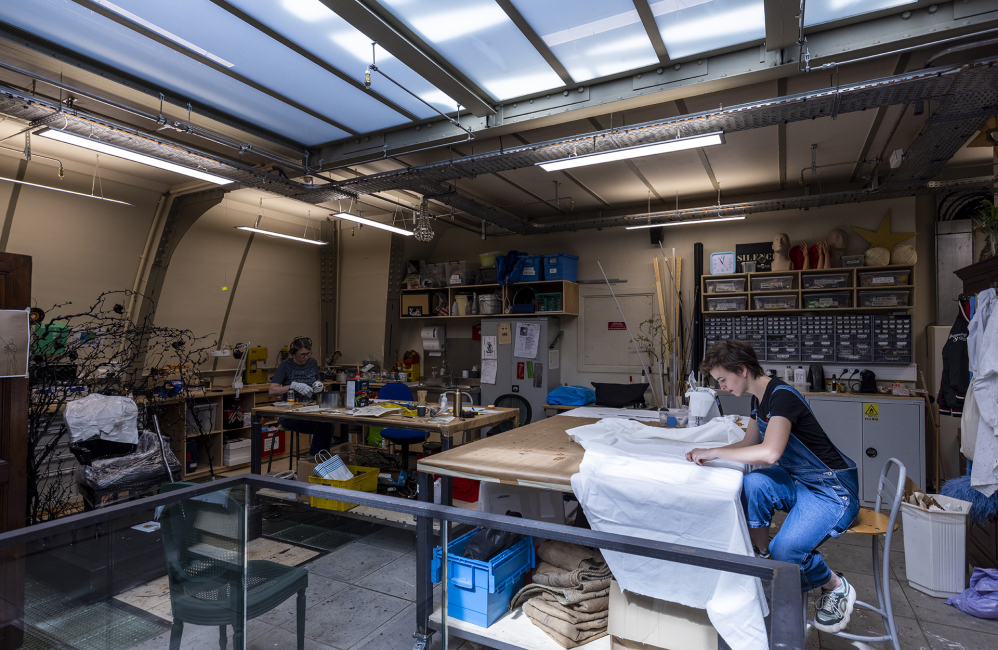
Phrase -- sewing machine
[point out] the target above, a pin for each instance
(253, 374)
(704, 405)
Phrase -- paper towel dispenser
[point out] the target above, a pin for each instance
(434, 340)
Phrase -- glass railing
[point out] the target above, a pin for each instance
(258, 562)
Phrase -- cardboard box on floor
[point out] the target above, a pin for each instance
(643, 623)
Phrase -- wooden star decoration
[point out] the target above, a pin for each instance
(883, 237)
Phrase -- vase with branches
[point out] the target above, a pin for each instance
(986, 219)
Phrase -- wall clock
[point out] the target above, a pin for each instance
(722, 263)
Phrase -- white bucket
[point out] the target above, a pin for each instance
(935, 546)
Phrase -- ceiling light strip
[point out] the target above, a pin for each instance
(679, 144)
(683, 223)
(368, 222)
(271, 233)
(134, 156)
(56, 189)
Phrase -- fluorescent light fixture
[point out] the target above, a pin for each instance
(683, 223)
(679, 144)
(118, 152)
(368, 222)
(56, 189)
(271, 233)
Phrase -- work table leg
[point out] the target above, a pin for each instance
(256, 436)
(254, 514)
(424, 550)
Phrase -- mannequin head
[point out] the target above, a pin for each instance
(781, 243)
(836, 239)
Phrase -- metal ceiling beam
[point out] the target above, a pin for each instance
(535, 40)
(646, 87)
(501, 177)
(781, 137)
(585, 188)
(217, 67)
(317, 60)
(378, 25)
(878, 120)
(681, 107)
(630, 165)
(651, 29)
(59, 53)
(781, 23)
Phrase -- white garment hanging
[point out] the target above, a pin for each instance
(635, 482)
(982, 344)
(969, 422)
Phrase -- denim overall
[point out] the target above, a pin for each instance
(820, 502)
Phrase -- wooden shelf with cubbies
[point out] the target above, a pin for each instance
(865, 289)
(554, 291)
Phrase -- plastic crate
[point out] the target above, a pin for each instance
(883, 298)
(461, 273)
(727, 285)
(825, 281)
(938, 540)
(366, 480)
(829, 300)
(731, 303)
(465, 489)
(532, 269)
(773, 283)
(561, 267)
(771, 303)
(884, 279)
(549, 302)
(479, 591)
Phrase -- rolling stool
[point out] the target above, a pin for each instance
(876, 524)
(401, 437)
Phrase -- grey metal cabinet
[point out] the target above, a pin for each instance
(895, 428)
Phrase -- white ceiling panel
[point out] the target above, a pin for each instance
(692, 27)
(826, 11)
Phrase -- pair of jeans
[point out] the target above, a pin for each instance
(321, 433)
(820, 503)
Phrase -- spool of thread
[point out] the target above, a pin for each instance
(904, 254)
(877, 256)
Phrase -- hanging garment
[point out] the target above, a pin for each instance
(955, 379)
(633, 481)
(982, 343)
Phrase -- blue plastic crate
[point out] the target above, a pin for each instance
(479, 592)
(561, 267)
(533, 270)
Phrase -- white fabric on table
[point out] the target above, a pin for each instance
(635, 482)
(608, 412)
(982, 346)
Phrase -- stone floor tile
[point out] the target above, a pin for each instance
(320, 589)
(948, 637)
(349, 616)
(281, 639)
(396, 579)
(396, 539)
(352, 562)
(935, 610)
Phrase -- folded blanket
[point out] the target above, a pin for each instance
(562, 595)
(564, 634)
(569, 557)
(552, 576)
(593, 605)
(566, 613)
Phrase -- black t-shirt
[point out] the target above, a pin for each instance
(803, 424)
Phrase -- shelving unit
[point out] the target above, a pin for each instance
(569, 296)
(798, 292)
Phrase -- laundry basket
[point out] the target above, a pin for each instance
(935, 546)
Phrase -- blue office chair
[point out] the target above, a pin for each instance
(401, 437)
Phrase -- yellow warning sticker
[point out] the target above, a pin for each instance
(871, 412)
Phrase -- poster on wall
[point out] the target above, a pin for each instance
(15, 337)
(761, 254)
(489, 347)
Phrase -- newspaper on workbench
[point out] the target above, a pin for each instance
(377, 410)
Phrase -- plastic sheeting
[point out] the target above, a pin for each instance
(102, 416)
(634, 480)
(136, 472)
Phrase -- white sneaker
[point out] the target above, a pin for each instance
(834, 608)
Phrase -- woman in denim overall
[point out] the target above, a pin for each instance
(820, 502)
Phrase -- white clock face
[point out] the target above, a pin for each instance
(721, 263)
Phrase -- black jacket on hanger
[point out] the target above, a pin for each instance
(956, 368)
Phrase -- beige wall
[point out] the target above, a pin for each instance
(364, 281)
(628, 255)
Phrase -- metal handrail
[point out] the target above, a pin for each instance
(787, 623)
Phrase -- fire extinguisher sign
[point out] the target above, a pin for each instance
(616, 325)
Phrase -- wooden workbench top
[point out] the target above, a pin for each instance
(483, 420)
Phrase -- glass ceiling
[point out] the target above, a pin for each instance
(590, 38)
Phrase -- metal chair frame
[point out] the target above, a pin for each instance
(887, 492)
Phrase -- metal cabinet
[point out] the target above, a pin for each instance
(892, 428)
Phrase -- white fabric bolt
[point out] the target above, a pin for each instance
(635, 481)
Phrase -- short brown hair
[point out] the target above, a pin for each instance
(731, 355)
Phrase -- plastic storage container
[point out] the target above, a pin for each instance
(938, 540)
(828, 300)
(775, 302)
(561, 267)
(883, 298)
(726, 285)
(824, 281)
(201, 418)
(532, 269)
(773, 283)
(549, 301)
(728, 303)
(366, 480)
(884, 278)
(461, 273)
(479, 591)
(489, 259)
(434, 274)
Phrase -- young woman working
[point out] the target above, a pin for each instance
(809, 478)
(300, 373)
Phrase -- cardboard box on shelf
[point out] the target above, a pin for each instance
(421, 300)
(656, 624)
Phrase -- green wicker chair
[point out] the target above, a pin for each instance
(203, 540)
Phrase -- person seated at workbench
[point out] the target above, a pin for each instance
(299, 373)
(809, 478)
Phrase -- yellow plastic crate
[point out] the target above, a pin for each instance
(366, 480)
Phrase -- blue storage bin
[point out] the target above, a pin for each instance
(561, 267)
(532, 268)
(479, 592)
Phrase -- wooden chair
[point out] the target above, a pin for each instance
(877, 524)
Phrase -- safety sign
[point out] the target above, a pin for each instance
(871, 412)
